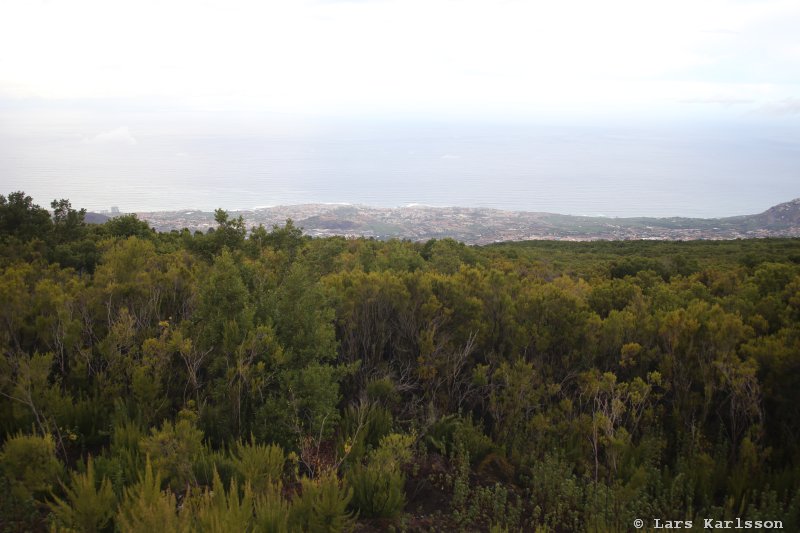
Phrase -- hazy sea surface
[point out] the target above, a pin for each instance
(145, 161)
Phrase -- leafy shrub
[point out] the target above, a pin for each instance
(16, 514)
(447, 432)
(123, 460)
(557, 494)
(30, 465)
(145, 508)
(86, 507)
(379, 486)
(471, 437)
(322, 506)
(271, 511)
(173, 450)
(258, 464)
(633, 265)
(439, 436)
(210, 462)
(315, 396)
(378, 490)
(362, 428)
(396, 448)
(221, 511)
(491, 505)
(383, 391)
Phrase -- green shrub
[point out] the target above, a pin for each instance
(322, 506)
(85, 507)
(173, 450)
(258, 464)
(439, 436)
(443, 435)
(221, 511)
(383, 391)
(362, 427)
(146, 509)
(123, 460)
(208, 462)
(378, 490)
(395, 448)
(475, 443)
(30, 465)
(271, 511)
(16, 514)
(492, 505)
(558, 495)
(379, 486)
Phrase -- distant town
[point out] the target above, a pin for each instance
(485, 226)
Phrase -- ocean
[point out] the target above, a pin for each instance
(151, 161)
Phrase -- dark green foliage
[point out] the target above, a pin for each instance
(220, 511)
(447, 255)
(302, 320)
(632, 266)
(87, 506)
(278, 383)
(223, 315)
(173, 449)
(557, 493)
(146, 508)
(288, 238)
(123, 459)
(272, 511)
(322, 506)
(213, 462)
(378, 490)
(22, 219)
(451, 431)
(125, 226)
(29, 465)
(258, 464)
(378, 483)
(315, 398)
(68, 224)
(230, 233)
(383, 391)
(363, 426)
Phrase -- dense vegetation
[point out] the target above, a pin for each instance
(266, 381)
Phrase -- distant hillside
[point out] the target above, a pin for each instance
(483, 226)
(781, 216)
(96, 218)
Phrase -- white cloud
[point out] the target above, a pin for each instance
(119, 136)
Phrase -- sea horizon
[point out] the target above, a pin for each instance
(149, 162)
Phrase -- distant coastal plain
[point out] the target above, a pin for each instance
(484, 226)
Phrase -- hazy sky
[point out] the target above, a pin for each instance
(716, 57)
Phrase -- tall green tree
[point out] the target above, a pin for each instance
(23, 219)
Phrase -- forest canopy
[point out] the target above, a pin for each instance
(256, 379)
